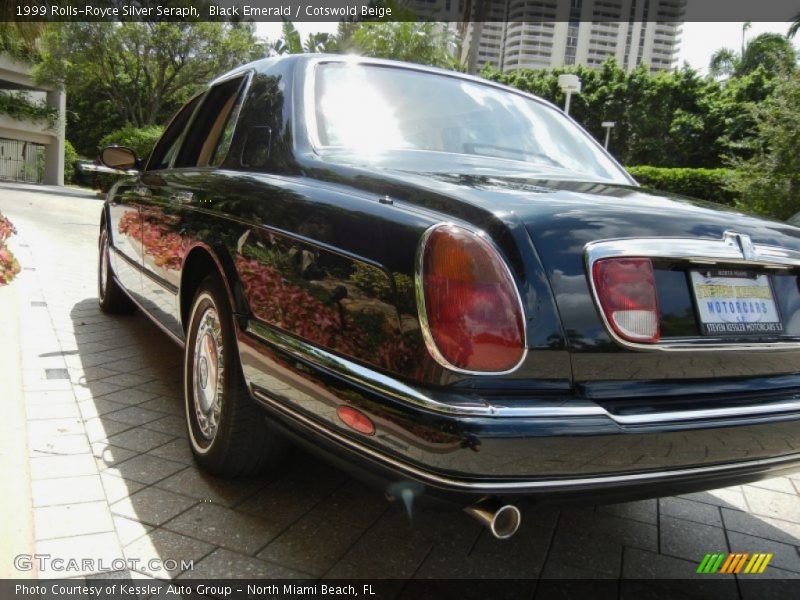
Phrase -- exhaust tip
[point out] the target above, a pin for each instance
(503, 520)
(506, 521)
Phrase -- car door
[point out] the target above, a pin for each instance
(170, 217)
(124, 228)
(153, 239)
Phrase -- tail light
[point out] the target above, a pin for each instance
(470, 308)
(626, 288)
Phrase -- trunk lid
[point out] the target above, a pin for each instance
(563, 217)
(560, 217)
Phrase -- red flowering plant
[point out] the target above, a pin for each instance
(9, 267)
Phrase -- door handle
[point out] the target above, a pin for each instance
(181, 198)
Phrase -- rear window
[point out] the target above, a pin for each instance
(370, 109)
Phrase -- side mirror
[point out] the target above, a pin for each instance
(119, 157)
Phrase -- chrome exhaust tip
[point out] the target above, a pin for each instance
(503, 520)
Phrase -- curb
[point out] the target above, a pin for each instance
(16, 528)
(74, 192)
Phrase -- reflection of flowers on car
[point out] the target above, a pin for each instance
(318, 312)
(156, 233)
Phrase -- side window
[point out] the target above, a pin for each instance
(261, 141)
(167, 147)
(211, 131)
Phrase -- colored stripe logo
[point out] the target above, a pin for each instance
(735, 562)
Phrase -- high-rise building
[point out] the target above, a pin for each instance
(543, 34)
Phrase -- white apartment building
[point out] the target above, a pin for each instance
(544, 34)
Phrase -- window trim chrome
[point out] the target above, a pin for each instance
(733, 249)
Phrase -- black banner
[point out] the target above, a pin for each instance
(403, 10)
(703, 586)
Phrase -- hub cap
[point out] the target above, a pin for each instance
(207, 373)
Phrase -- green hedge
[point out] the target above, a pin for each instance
(141, 139)
(706, 184)
(70, 157)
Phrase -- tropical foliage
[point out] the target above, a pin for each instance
(769, 180)
(426, 43)
(21, 106)
(19, 40)
(139, 74)
(770, 51)
(70, 158)
(124, 78)
(663, 119)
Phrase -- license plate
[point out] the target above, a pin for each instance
(735, 303)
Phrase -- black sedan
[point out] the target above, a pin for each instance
(447, 284)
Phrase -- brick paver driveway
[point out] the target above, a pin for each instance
(112, 475)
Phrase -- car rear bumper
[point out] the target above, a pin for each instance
(578, 452)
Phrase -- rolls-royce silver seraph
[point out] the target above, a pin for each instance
(448, 284)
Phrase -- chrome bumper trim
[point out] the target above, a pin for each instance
(384, 384)
(515, 486)
(710, 413)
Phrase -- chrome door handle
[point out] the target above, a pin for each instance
(181, 197)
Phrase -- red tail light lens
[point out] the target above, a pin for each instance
(473, 311)
(626, 288)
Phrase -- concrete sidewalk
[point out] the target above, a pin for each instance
(16, 526)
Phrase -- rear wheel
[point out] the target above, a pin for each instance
(227, 430)
(110, 295)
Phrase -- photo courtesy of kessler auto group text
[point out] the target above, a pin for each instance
(400, 299)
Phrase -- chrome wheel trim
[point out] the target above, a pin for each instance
(207, 374)
(103, 275)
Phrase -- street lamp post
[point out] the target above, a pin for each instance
(569, 84)
(608, 125)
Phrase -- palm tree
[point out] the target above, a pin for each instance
(772, 51)
(320, 42)
(745, 26)
(795, 27)
(291, 37)
(724, 63)
(21, 39)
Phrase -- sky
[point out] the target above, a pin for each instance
(698, 41)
